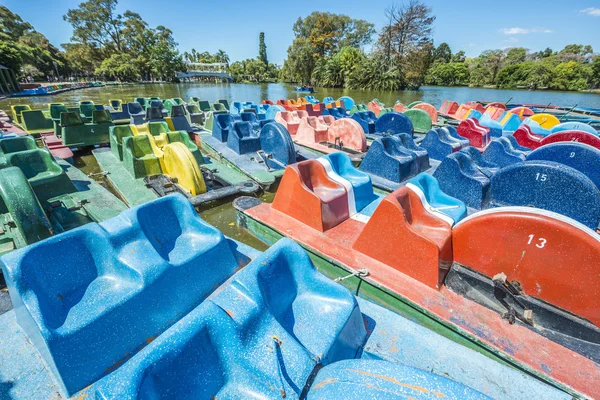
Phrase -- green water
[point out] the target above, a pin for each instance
(223, 215)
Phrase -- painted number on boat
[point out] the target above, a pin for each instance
(541, 242)
(541, 177)
(572, 155)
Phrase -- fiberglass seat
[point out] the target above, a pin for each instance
(243, 138)
(309, 195)
(35, 122)
(289, 119)
(480, 163)
(438, 144)
(366, 119)
(223, 125)
(389, 159)
(136, 113)
(357, 183)
(394, 123)
(460, 178)
(179, 118)
(479, 136)
(311, 130)
(501, 153)
(452, 132)
(15, 144)
(421, 242)
(117, 133)
(139, 158)
(92, 297)
(153, 114)
(17, 110)
(435, 200)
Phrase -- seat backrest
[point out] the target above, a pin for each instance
(56, 110)
(178, 111)
(70, 119)
(204, 105)
(193, 109)
(244, 129)
(35, 119)
(101, 117)
(141, 146)
(121, 131)
(135, 108)
(153, 113)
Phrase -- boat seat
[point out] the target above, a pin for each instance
(494, 126)
(549, 186)
(451, 131)
(117, 133)
(154, 114)
(555, 255)
(525, 137)
(429, 109)
(141, 101)
(17, 110)
(312, 131)
(102, 117)
(45, 175)
(379, 379)
(572, 136)
(479, 162)
(579, 156)
(366, 119)
(479, 136)
(448, 107)
(160, 106)
(574, 126)
(35, 122)
(314, 110)
(179, 118)
(184, 137)
(223, 125)
(19, 143)
(358, 184)
(348, 133)
(260, 110)
(56, 110)
(420, 153)
(308, 194)
(375, 106)
(139, 158)
(204, 106)
(225, 103)
(92, 297)
(516, 146)
(393, 123)
(289, 119)
(115, 104)
(196, 115)
(501, 153)
(420, 119)
(316, 321)
(249, 116)
(439, 144)
(460, 178)
(324, 119)
(243, 138)
(76, 133)
(421, 241)
(435, 200)
(86, 108)
(510, 122)
(277, 144)
(389, 159)
(218, 107)
(136, 113)
(239, 106)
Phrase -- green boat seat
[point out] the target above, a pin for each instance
(204, 106)
(194, 99)
(117, 133)
(101, 117)
(19, 143)
(35, 122)
(44, 174)
(225, 103)
(17, 110)
(76, 133)
(138, 157)
(157, 127)
(86, 108)
(56, 110)
(219, 107)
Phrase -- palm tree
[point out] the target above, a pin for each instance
(222, 57)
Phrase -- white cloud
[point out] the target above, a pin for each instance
(523, 31)
(595, 12)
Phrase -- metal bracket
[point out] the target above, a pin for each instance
(100, 174)
(513, 290)
(361, 273)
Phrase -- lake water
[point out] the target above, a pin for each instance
(275, 91)
(223, 216)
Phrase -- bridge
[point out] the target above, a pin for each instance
(216, 70)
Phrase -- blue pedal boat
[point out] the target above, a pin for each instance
(156, 303)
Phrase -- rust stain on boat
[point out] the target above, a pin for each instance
(396, 382)
(324, 383)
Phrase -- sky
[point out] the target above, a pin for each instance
(234, 25)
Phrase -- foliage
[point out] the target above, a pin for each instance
(448, 74)
(253, 70)
(262, 49)
(119, 66)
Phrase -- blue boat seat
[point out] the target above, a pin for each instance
(136, 113)
(260, 110)
(513, 141)
(393, 123)
(277, 144)
(435, 200)
(450, 130)
(459, 178)
(280, 315)
(389, 159)
(438, 144)
(179, 118)
(92, 297)
(243, 138)
(550, 186)
(378, 379)
(501, 153)
(239, 106)
(583, 158)
(511, 122)
(366, 119)
(251, 117)
(328, 100)
(493, 125)
(223, 125)
(488, 168)
(153, 114)
(357, 183)
(336, 112)
(159, 104)
(574, 126)
(420, 153)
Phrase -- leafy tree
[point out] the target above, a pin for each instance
(262, 49)
(459, 57)
(10, 56)
(570, 76)
(300, 62)
(443, 53)
(96, 24)
(448, 74)
(515, 55)
(595, 72)
(121, 66)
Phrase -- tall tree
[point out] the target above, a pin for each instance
(262, 49)
(442, 53)
(96, 23)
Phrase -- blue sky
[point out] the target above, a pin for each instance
(234, 25)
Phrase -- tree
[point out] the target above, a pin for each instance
(300, 62)
(95, 23)
(595, 75)
(262, 49)
(442, 53)
(459, 57)
(515, 55)
(119, 66)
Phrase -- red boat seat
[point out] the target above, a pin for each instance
(314, 110)
(289, 119)
(573, 136)
(375, 107)
(496, 104)
(326, 119)
(349, 133)
(479, 136)
(311, 130)
(449, 107)
(403, 235)
(552, 257)
(307, 194)
(462, 111)
(522, 112)
(525, 137)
